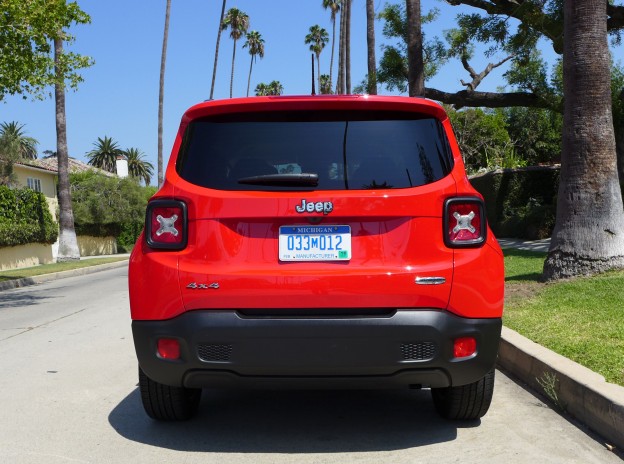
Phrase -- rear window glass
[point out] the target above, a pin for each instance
(339, 151)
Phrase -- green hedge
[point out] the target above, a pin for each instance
(25, 218)
(520, 202)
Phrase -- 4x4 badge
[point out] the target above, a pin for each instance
(196, 286)
(324, 207)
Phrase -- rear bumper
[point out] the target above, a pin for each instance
(403, 348)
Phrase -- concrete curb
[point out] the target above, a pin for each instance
(17, 283)
(581, 392)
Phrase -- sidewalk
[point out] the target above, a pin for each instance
(27, 281)
(580, 392)
(519, 244)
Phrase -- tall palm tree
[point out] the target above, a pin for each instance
(238, 22)
(415, 67)
(68, 244)
(588, 235)
(370, 44)
(317, 39)
(334, 7)
(326, 85)
(214, 68)
(161, 94)
(255, 43)
(13, 133)
(347, 45)
(105, 153)
(138, 166)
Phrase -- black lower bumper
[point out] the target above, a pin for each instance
(403, 348)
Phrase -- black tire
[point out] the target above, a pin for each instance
(465, 402)
(165, 403)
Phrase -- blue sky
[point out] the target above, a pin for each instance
(119, 97)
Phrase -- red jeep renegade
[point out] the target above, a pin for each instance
(316, 242)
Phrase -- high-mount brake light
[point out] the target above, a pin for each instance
(465, 224)
(166, 224)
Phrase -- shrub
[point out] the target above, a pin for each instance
(25, 218)
(521, 202)
(109, 206)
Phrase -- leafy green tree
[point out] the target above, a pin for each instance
(106, 206)
(317, 38)
(482, 138)
(393, 71)
(27, 29)
(25, 145)
(137, 165)
(273, 88)
(104, 154)
(255, 44)
(238, 23)
(535, 133)
(334, 7)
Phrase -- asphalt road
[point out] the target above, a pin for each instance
(69, 395)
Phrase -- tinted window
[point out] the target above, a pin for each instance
(346, 150)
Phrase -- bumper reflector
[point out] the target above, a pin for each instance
(464, 347)
(168, 348)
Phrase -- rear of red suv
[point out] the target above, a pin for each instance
(316, 242)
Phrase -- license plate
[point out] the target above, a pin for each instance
(315, 243)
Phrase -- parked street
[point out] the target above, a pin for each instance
(70, 394)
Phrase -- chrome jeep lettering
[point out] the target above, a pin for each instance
(324, 207)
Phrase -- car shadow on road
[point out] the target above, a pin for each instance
(21, 299)
(293, 422)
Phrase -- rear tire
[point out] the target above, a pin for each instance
(165, 403)
(465, 402)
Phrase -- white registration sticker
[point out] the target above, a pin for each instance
(315, 243)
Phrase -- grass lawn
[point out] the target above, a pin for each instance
(581, 319)
(57, 267)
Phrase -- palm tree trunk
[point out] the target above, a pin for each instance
(348, 47)
(318, 71)
(161, 94)
(214, 68)
(331, 62)
(415, 68)
(370, 43)
(232, 76)
(340, 87)
(68, 244)
(589, 230)
(249, 78)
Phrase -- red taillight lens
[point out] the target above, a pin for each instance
(168, 348)
(464, 222)
(464, 347)
(166, 224)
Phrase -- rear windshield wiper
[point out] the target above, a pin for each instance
(303, 179)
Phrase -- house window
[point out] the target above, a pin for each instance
(34, 184)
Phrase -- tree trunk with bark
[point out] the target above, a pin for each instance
(161, 94)
(68, 244)
(415, 66)
(214, 68)
(370, 43)
(589, 230)
(347, 4)
(340, 85)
